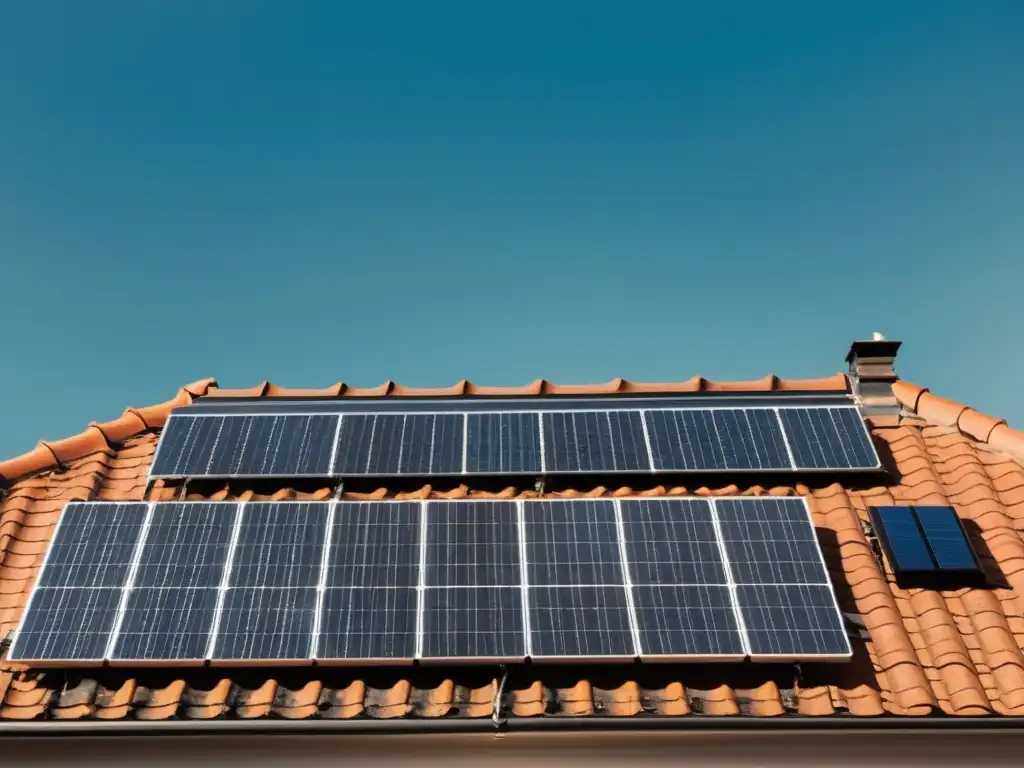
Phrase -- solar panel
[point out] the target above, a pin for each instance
(719, 439)
(531, 437)
(577, 601)
(367, 624)
(166, 624)
(472, 544)
(687, 620)
(279, 545)
(947, 539)
(373, 544)
(484, 623)
(67, 624)
(503, 443)
(580, 621)
(770, 541)
(678, 580)
(782, 589)
(392, 581)
(400, 444)
(266, 624)
(828, 438)
(906, 546)
(93, 545)
(246, 446)
(572, 542)
(927, 546)
(596, 441)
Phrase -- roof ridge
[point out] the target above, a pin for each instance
(995, 433)
(99, 436)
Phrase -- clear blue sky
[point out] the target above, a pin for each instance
(426, 191)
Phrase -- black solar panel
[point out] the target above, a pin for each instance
(167, 624)
(503, 443)
(266, 624)
(368, 623)
(567, 622)
(473, 623)
(472, 544)
(671, 542)
(67, 624)
(595, 441)
(691, 620)
(375, 543)
(400, 444)
(572, 543)
(792, 620)
(828, 438)
(280, 545)
(187, 545)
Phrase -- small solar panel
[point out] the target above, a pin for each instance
(927, 546)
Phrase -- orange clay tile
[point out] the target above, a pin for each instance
(957, 653)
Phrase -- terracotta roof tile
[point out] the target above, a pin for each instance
(955, 652)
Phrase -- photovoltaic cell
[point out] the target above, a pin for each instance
(172, 623)
(828, 438)
(374, 544)
(671, 542)
(67, 624)
(473, 623)
(269, 624)
(374, 623)
(770, 541)
(946, 538)
(400, 444)
(687, 621)
(572, 542)
(280, 545)
(501, 443)
(792, 620)
(595, 441)
(750, 439)
(186, 445)
(472, 544)
(580, 621)
(187, 545)
(727, 438)
(94, 545)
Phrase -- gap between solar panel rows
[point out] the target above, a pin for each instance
(788, 438)
(403, 581)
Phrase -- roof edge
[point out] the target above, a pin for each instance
(995, 433)
(100, 436)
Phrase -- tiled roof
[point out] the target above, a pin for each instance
(923, 652)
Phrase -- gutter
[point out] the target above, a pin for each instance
(795, 724)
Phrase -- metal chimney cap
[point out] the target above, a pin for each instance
(876, 336)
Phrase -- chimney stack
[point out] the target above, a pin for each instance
(872, 373)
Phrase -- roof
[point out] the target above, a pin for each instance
(922, 652)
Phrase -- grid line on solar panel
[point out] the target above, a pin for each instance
(93, 545)
(280, 545)
(472, 544)
(770, 541)
(524, 575)
(627, 583)
(572, 542)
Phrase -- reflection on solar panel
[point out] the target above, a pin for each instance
(619, 439)
(469, 580)
(927, 546)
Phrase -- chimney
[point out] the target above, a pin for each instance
(872, 373)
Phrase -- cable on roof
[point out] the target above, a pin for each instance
(497, 716)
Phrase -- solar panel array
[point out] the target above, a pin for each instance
(398, 581)
(622, 440)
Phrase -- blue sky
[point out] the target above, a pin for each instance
(308, 192)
